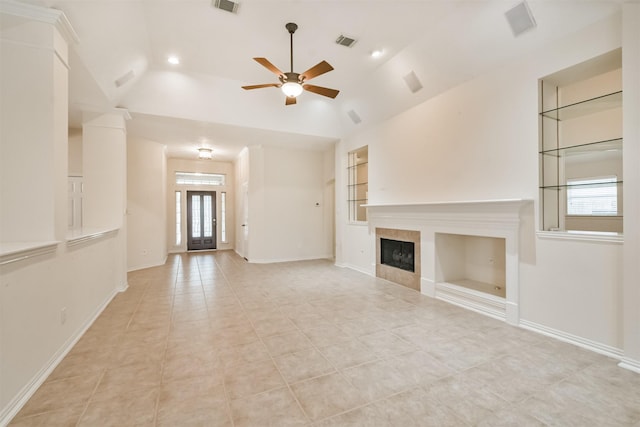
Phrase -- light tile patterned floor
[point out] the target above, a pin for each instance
(211, 340)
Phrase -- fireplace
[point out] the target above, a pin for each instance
(398, 254)
(466, 253)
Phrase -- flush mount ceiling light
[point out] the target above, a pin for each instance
(205, 153)
(291, 83)
(173, 60)
(376, 53)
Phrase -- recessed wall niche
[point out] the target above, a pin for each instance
(477, 263)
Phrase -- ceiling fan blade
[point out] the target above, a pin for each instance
(289, 100)
(324, 91)
(261, 86)
(269, 66)
(316, 70)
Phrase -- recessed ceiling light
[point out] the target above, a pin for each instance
(174, 60)
(205, 153)
(376, 53)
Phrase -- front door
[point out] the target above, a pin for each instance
(201, 220)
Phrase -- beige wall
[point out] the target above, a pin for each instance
(146, 204)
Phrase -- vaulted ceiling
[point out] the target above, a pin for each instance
(120, 60)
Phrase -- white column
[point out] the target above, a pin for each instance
(33, 125)
(631, 150)
(104, 158)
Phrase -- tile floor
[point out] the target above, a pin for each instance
(210, 340)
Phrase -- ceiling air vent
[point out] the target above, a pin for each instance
(412, 81)
(355, 118)
(345, 41)
(125, 78)
(226, 5)
(520, 18)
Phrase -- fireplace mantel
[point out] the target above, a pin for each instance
(498, 218)
(475, 207)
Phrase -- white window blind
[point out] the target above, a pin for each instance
(197, 178)
(593, 196)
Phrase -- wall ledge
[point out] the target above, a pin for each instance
(18, 251)
(80, 237)
(582, 236)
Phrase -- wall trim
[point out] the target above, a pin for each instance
(356, 268)
(42, 14)
(309, 258)
(630, 364)
(585, 343)
(150, 265)
(467, 298)
(14, 252)
(16, 404)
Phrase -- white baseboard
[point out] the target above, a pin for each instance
(479, 302)
(276, 260)
(585, 343)
(356, 268)
(630, 364)
(149, 265)
(14, 406)
(428, 287)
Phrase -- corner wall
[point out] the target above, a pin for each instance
(479, 141)
(146, 204)
(287, 193)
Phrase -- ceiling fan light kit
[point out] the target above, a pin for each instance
(293, 84)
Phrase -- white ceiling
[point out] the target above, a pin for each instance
(200, 102)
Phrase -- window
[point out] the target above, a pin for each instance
(178, 218)
(358, 186)
(223, 216)
(197, 178)
(592, 196)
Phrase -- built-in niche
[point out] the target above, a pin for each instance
(477, 263)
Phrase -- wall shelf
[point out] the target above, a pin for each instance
(586, 107)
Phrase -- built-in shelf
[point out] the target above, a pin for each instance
(609, 145)
(586, 107)
(581, 149)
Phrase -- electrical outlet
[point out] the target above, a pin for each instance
(63, 315)
(491, 261)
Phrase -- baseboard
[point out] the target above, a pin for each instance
(150, 265)
(356, 268)
(427, 287)
(470, 299)
(630, 364)
(14, 406)
(276, 260)
(585, 343)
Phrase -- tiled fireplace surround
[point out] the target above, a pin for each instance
(488, 218)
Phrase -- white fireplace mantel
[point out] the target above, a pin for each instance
(499, 218)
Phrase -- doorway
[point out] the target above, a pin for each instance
(201, 220)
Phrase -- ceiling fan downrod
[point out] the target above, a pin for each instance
(291, 27)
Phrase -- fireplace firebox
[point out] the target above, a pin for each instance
(399, 254)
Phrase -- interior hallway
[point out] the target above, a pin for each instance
(208, 339)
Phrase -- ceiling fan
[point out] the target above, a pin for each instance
(291, 83)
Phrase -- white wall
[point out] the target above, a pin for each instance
(74, 277)
(33, 336)
(146, 204)
(204, 166)
(287, 217)
(631, 144)
(479, 141)
(75, 152)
